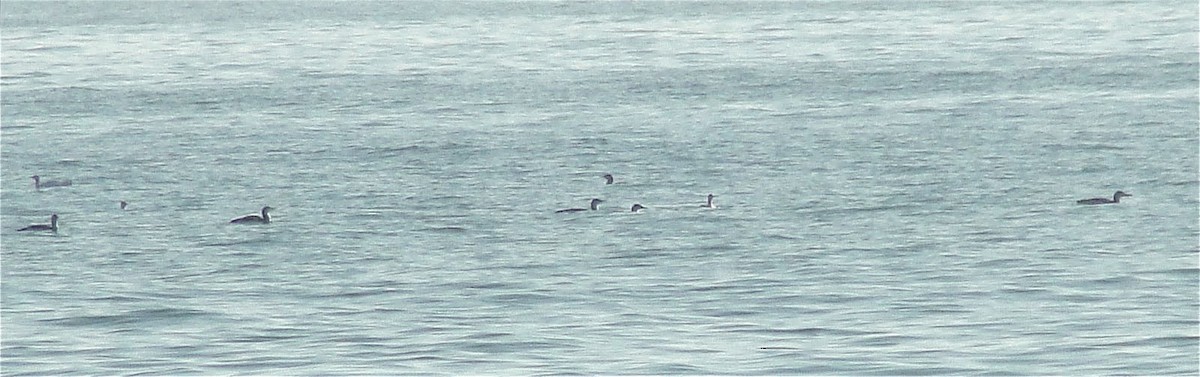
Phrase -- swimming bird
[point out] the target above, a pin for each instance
(53, 227)
(124, 204)
(38, 183)
(595, 203)
(254, 219)
(636, 207)
(1116, 199)
(608, 179)
(710, 203)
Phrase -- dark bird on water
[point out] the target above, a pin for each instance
(1116, 199)
(595, 203)
(254, 219)
(53, 226)
(38, 183)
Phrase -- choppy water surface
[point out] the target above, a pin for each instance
(896, 186)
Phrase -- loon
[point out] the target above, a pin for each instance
(254, 219)
(124, 204)
(1116, 199)
(636, 207)
(710, 203)
(608, 179)
(37, 183)
(53, 227)
(594, 204)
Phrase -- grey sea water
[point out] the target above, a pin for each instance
(895, 181)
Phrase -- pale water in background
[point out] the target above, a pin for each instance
(896, 186)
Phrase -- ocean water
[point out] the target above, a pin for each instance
(895, 181)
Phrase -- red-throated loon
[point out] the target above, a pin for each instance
(1116, 199)
(254, 219)
(594, 205)
(710, 203)
(38, 183)
(53, 227)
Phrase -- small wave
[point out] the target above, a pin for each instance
(924, 371)
(521, 298)
(1083, 147)
(1115, 280)
(204, 102)
(672, 368)
(641, 31)
(784, 237)
(327, 75)
(1003, 262)
(725, 288)
(880, 208)
(827, 20)
(807, 331)
(1164, 341)
(372, 124)
(136, 316)
(235, 243)
(392, 151)
(445, 229)
(115, 298)
(52, 48)
(264, 338)
(728, 313)
(27, 75)
(355, 293)
(779, 348)
(1187, 271)
(443, 110)
(493, 102)
(236, 65)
